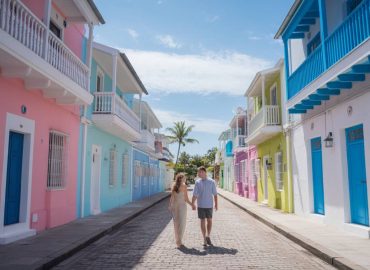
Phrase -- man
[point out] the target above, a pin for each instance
(204, 192)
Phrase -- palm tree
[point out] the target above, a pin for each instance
(179, 134)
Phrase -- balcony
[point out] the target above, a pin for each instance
(349, 36)
(30, 51)
(239, 141)
(264, 125)
(111, 114)
(147, 140)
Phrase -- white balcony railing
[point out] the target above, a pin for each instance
(239, 141)
(20, 23)
(267, 116)
(147, 138)
(110, 103)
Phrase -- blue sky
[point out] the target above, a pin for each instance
(195, 57)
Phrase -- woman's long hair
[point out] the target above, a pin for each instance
(178, 180)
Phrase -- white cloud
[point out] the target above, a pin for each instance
(206, 125)
(212, 19)
(133, 33)
(159, 2)
(168, 41)
(254, 38)
(224, 72)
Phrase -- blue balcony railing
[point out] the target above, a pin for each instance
(229, 149)
(310, 69)
(354, 30)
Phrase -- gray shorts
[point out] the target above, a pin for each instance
(205, 213)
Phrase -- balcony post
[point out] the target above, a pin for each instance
(263, 100)
(47, 12)
(89, 54)
(323, 30)
(114, 75)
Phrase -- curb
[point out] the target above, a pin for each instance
(316, 249)
(73, 249)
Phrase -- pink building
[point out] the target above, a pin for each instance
(45, 49)
(252, 172)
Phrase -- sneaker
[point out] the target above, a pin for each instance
(208, 240)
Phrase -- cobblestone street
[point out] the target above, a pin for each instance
(240, 242)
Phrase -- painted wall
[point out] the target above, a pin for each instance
(252, 178)
(53, 207)
(276, 198)
(110, 196)
(335, 169)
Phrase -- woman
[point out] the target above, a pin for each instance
(178, 200)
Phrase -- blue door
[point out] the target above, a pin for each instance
(13, 178)
(317, 176)
(357, 175)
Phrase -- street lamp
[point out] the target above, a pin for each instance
(329, 141)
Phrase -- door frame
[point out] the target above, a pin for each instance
(97, 149)
(27, 127)
(313, 180)
(265, 178)
(348, 180)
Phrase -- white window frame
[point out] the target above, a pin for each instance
(100, 74)
(113, 162)
(57, 160)
(256, 171)
(274, 87)
(279, 181)
(125, 171)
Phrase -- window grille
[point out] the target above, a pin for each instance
(279, 171)
(125, 171)
(112, 167)
(57, 160)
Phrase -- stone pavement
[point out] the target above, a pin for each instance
(338, 247)
(240, 242)
(50, 247)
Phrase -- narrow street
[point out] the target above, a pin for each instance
(240, 242)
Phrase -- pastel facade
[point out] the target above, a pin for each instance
(327, 49)
(265, 131)
(110, 127)
(165, 158)
(238, 126)
(45, 78)
(227, 178)
(146, 171)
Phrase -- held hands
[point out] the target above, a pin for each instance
(216, 207)
(193, 207)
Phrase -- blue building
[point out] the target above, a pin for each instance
(109, 128)
(147, 178)
(327, 63)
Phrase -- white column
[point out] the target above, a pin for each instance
(263, 99)
(89, 53)
(140, 113)
(114, 73)
(46, 19)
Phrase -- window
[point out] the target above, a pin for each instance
(279, 171)
(313, 44)
(125, 171)
(352, 5)
(55, 29)
(57, 160)
(99, 80)
(256, 171)
(112, 167)
(273, 95)
(242, 168)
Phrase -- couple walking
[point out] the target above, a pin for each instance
(204, 193)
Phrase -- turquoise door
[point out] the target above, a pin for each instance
(357, 175)
(13, 178)
(317, 176)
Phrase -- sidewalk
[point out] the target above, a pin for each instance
(50, 247)
(339, 248)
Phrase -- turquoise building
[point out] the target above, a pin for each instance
(109, 128)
